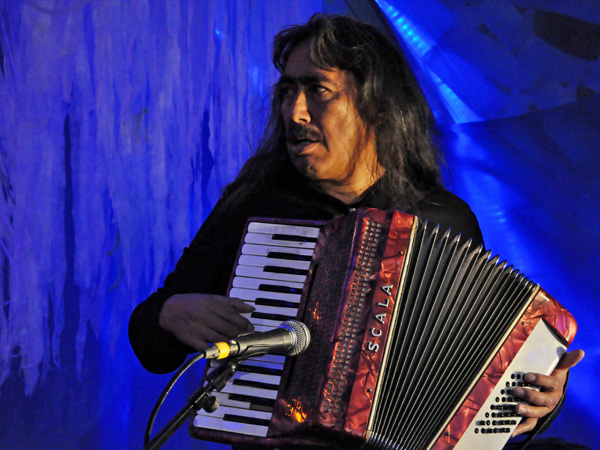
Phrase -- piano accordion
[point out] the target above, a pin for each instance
(417, 338)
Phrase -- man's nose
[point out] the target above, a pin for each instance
(300, 112)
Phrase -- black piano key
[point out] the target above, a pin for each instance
(289, 237)
(275, 317)
(289, 256)
(249, 420)
(258, 401)
(280, 289)
(276, 269)
(275, 302)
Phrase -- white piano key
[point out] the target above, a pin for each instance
(254, 283)
(276, 313)
(262, 261)
(252, 391)
(222, 410)
(259, 272)
(261, 325)
(216, 423)
(278, 228)
(276, 310)
(265, 364)
(266, 239)
(257, 377)
(253, 294)
(264, 250)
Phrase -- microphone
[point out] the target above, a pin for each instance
(291, 338)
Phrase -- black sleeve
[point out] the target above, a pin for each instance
(204, 267)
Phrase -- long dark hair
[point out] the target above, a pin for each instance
(389, 101)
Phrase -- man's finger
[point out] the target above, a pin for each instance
(531, 411)
(550, 383)
(525, 426)
(569, 359)
(237, 304)
(230, 310)
(537, 398)
(242, 306)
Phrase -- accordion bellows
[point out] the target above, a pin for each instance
(417, 341)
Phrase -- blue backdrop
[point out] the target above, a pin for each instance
(120, 122)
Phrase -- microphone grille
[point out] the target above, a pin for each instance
(302, 334)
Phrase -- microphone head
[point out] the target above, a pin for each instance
(301, 334)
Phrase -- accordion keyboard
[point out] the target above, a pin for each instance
(272, 268)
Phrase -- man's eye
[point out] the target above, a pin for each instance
(287, 91)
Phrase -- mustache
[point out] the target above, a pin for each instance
(300, 132)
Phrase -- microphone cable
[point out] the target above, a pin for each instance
(167, 389)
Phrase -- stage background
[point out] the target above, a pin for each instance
(121, 120)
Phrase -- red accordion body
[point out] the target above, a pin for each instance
(417, 342)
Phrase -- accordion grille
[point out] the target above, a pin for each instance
(453, 311)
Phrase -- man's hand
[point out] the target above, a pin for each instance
(544, 401)
(197, 319)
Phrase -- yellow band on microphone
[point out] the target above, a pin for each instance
(223, 349)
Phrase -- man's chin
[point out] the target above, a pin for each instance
(305, 167)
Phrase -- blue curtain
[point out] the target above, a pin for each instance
(120, 121)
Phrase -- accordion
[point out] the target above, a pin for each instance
(417, 338)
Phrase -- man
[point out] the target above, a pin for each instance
(348, 129)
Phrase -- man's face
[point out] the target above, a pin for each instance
(325, 136)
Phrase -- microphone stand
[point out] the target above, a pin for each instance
(201, 399)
